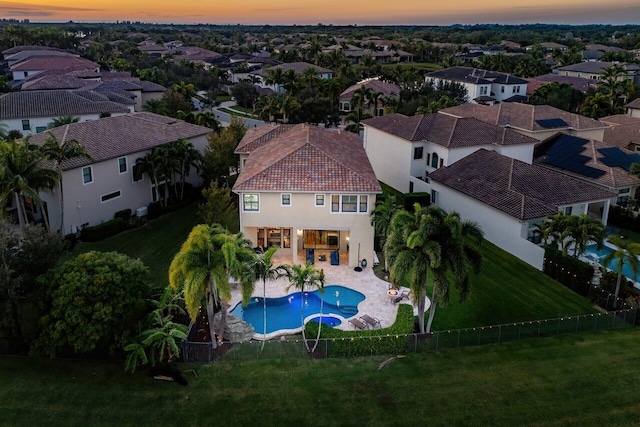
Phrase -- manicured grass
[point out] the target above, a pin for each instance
(237, 112)
(223, 98)
(629, 236)
(155, 244)
(509, 290)
(578, 380)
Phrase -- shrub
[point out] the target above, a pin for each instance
(125, 214)
(135, 222)
(70, 241)
(102, 231)
(569, 271)
(380, 341)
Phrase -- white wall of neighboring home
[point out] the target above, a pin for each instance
(634, 112)
(509, 90)
(500, 229)
(39, 124)
(83, 202)
(303, 214)
(390, 156)
(146, 96)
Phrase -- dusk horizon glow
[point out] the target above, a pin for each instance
(357, 12)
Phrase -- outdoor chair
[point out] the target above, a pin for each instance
(371, 321)
(358, 324)
(405, 294)
(397, 300)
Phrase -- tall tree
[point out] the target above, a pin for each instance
(262, 268)
(201, 269)
(427, 247)
(381, 218)
(306, 277)
(62, 120)
(581, 230)
(625, 254)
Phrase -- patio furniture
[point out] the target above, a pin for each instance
(405, 294)
(371, 321)
(335, 258)
(393, 294)
(397, 300)
(358, 324)
(322, 257)
(311, 256)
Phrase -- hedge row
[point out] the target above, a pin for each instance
(571, 272)
(391, 340)
(623, 218)
(102, 231)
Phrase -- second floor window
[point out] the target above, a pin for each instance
(250, 203)
(87, 175)
(122, 164)
(26, 125)
(418, 152)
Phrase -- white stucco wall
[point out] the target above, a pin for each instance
(390, 157)
(500, 229)
(634, 112)
(304, 214)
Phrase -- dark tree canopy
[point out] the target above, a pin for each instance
(93, 304)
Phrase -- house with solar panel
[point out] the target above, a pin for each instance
(536, 121)
(510, 199)
(483, 87)
(308, 191)
(404, 151)
(599, 163)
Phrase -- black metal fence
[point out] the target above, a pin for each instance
(411, 343)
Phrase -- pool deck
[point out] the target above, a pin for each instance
(377, 302)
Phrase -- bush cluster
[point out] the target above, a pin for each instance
(102, 231)
(355, 343)
(571, 272)
(623, 218)
(412, 198)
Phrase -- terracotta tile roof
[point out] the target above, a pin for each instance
(522, 116)
(446, 130)
(595, 161)
(578, 83)
(118, 136)
(375, 84)
(259, 136)
(53, 62)
(516, 188)
(596, 67)
(53, 103)
(297, 67)
(624, 130)
(16, 49)
(52, 82)
(309, 158)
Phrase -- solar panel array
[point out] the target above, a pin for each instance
(566, 153)
(552, 123)
(615, 157)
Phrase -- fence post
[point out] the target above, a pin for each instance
(539, 325)
(499, 333)
(577, 323)
(595, 325)
(458, 337)
(519, 329)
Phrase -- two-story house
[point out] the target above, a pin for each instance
(593, 70)
(298, 68)
(404, 150)
(383, 90)
(483, 87)
(510, 199)
(308, 191)
(93, 190)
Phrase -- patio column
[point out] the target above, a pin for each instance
(605, 211)
(294, 246)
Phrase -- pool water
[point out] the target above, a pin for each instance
(327, 320)
(284, 313)
(593, 252)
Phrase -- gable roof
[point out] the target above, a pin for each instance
(297, 67)
(634, 104)
(475, 75)
(118, 136)
(309, 158)
(522, 116)
(518, 189)
(594, 161)
(446, 130)
(54, 63)
(375, 84)
(258, 136)
(596, 67)
(579, 83)
(53, 103)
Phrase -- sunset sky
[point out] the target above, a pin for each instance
(361, 12)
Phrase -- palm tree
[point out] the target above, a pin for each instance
(266, 108)
(554, 230)
(354, 118)
(147, 164)
(582, 229)
(612, 81)
(286, 106)
(58, 153)
(430, 245)
(155, 106)
(625, 254)
(597, 105)
(275, 77)
(186, 89)
(201, 269)
(23, 175)
(381, 218)
(208, 119)
(262, 268)
(62, 120)
(361, 97)
(305, 277)
(185, 156)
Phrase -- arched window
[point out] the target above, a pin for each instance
(434, 160)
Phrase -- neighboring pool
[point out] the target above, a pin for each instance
(284, 313)
(593, 252)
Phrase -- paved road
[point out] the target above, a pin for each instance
(225, 118)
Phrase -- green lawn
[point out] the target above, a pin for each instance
(577, 380)
(238, 111)
(155, 244)
(509, 290)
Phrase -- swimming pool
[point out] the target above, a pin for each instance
(284, 313)
(592, 252)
